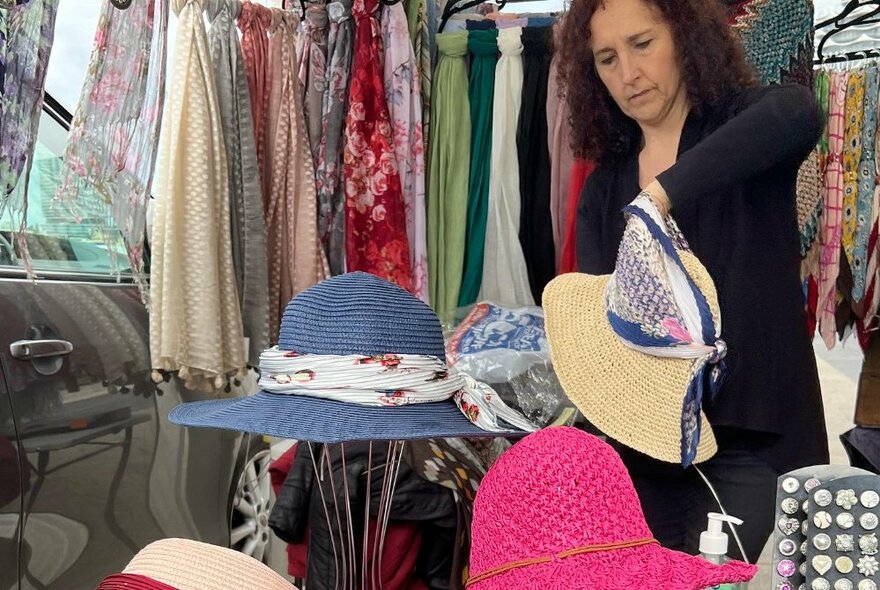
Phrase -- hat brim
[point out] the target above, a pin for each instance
(633, 397)
(622, 569)
(328, 421)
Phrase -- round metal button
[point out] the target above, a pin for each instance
(868, 521)
(786, 568)
(823, 498)
(823, 520)
(820, 584)
(790, 506)
(870, 499)
(868, 544)
(845, 520)
(843, 584)
(791, 485)
(803, 569)
(844, 564)
(811, 484)
(822, 542)
(787, 547)
(804, 548)
(784, 586)
(867, 585)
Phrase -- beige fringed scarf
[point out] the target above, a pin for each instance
(195, 323)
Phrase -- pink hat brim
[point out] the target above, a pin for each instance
(622, 569)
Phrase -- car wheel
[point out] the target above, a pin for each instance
(252, 502)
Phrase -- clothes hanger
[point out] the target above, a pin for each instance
(841, 21)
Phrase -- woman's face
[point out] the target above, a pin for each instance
(636, 59)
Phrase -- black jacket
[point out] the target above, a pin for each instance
(299, 507)
(733, 195)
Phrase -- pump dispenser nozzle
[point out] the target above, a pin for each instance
(713, 541)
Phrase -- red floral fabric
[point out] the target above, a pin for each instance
(375, 229)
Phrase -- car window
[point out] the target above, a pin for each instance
(55, 240)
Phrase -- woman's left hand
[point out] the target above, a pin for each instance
(658, 195)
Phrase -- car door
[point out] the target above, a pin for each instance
(102, 472)
(10, 493)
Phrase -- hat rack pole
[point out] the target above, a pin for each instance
(395, 468)
(319, 474)
(349, 541)
(366, 548)
(375, 575)
(346, 566)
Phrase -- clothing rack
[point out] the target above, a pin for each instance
(457, 6)
(847, 19)
(848, 56)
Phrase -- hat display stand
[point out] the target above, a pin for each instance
(793, 510)
(358, 566)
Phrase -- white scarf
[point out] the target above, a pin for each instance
(385, 380)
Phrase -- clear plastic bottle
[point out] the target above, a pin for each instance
(713, 546)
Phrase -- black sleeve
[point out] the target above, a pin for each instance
(589, 231)
(771, 125)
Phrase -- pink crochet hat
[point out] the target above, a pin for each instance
(559, 511)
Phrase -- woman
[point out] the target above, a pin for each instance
(662, 98)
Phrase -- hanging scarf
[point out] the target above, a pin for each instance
(852, 156)
(505, 277)
(402, 92)
(248, 225)
(195, 322)
(296, 260)
(313, 72)
(867, 184)
(253, 22)
(111, 151)
(375, 229)
(31, 31)
(331, 199)
(483, 46)
(831, 235)
(448, 180)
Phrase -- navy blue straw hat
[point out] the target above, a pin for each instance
(354, 313)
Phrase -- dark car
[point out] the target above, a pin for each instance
(90, 468)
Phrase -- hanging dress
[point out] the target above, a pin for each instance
(195, 318)
(831, 236)
(248, 225)
(403, 95)
(867, 183)
(448, 178)
(328, 174)
(505, 277)
(296, 261)
(375, 228)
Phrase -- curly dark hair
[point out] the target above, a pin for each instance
(711, 59)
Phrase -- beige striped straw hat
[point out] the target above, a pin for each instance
(191, 565)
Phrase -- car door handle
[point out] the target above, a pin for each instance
(26, 350)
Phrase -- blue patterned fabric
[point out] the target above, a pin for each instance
(655, 306)
(867, 184)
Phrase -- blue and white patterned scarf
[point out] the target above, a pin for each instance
(655, 307)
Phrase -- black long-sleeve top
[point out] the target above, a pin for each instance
(732, 191)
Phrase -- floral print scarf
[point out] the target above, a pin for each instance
(29, 33)
(111, 152)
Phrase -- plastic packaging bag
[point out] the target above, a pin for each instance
(507, 348)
